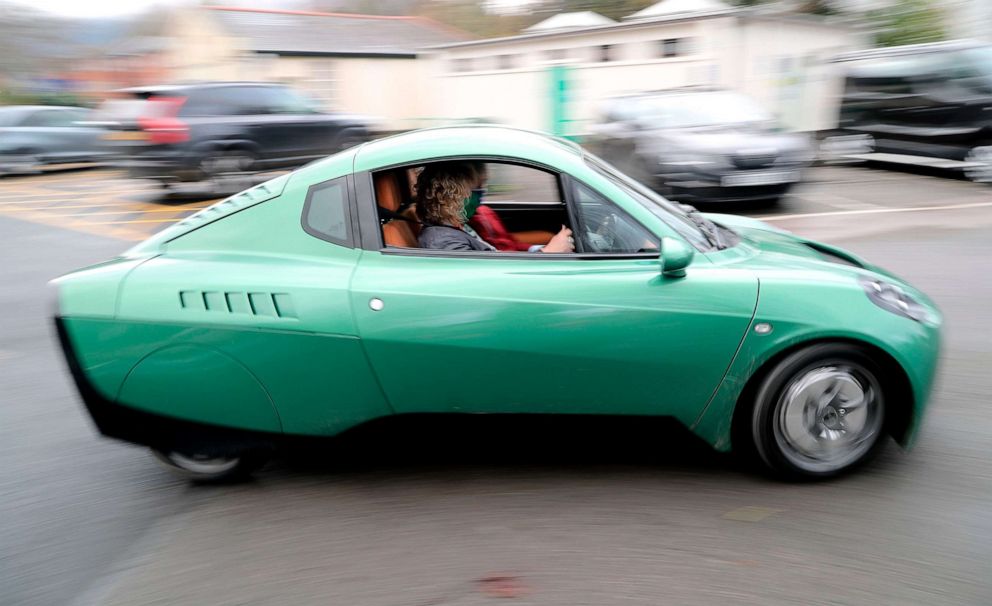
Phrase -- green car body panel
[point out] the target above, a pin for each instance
(239, 318)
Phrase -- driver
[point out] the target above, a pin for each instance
(441, 192)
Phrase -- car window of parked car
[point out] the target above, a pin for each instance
(693, 110)
(45, 117)
(280, 100)
(326, 212)
(11, 116)
(216, 101)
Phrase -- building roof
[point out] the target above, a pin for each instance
(307, 33)
(668, 8)
(573, 20)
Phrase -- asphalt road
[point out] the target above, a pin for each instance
(576, 513)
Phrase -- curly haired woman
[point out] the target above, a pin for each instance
(441, 192)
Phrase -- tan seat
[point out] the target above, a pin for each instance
(533, 237)
(389, 195)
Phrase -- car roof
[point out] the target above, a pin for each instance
(665, 92)
(478, 140)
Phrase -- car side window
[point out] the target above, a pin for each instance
(327, 214)
(41, 118)
(604, 228)
(280, 100)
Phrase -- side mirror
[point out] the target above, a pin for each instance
(676, 255)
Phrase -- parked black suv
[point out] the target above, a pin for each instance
(926, 104)
(195, 132)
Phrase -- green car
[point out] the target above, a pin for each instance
(303, 307)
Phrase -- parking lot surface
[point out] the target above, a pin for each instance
(576, 513)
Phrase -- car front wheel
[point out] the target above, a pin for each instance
(819, 412)
(203, 468)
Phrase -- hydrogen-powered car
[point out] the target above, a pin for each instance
(303, 307)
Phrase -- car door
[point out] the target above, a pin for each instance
(81, 138)
(49, 136)
(596, 332)
(291, 132)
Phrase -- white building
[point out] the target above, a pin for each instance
(969, 19)
(776, 59)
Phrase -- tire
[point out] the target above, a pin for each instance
(819, 413)
(980, 164)
(23, 162)
(206, 470)
(218, 163)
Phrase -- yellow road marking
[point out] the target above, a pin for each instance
(750, 514)
(175, 220)
(121, 233)
(131, 209)
(109, 212)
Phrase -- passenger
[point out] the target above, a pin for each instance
(442, 189)
(484, 220)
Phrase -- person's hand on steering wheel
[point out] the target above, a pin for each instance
(562, 242)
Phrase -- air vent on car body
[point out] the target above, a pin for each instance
(263, 304)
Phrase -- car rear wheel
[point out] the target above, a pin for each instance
(21, 163)
(820, 412)
(225, 162)
(210, 468)
(979, 168)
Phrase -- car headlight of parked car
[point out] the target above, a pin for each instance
(892, 297)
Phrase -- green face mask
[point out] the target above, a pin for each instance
(472, 202)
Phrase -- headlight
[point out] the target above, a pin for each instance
(892, 298)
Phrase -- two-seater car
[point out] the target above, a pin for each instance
(303, 307)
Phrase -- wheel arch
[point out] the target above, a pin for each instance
(899, 419)
(199, 384)
(222, 144)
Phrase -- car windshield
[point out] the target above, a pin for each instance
(671, 214)
(701, 109)
(981, 60)
(11, 116)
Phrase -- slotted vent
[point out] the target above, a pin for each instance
(259, 193)
(262, 304)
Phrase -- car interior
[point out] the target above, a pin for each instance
(529, 201)
(531, 204)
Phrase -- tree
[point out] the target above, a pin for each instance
(814, 7)
(908, 22)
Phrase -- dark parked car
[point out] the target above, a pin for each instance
(32, 136)
(926, 104)
(195, 132)
(701, 145)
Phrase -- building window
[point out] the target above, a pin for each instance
(674, 47)
(323, 82)
(506, 62)
(463, 65)
(606, 53)
(558, 55)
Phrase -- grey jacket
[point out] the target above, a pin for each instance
(445, 237)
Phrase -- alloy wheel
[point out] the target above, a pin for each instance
(828, 418)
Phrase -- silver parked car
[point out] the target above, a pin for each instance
(32, 136)
(701, 145)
